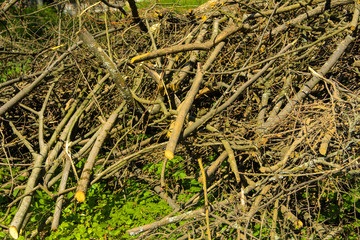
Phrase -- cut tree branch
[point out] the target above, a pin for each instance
(192, 46)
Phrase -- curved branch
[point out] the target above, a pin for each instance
(192, 46)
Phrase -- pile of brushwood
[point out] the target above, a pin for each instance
(261, 99)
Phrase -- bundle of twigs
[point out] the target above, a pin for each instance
(269, 88)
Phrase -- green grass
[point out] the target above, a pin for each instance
(106, 215)
(13, 69)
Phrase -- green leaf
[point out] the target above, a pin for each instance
(195, 189)
(15, 192)
(179, 175)
(69, 195)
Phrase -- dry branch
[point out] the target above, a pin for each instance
(280, 10)
(308, 86)
(289, 216)
(169, 200)
(313, 12)
(355, 20)
(96, 49)
(188, 215)
(196, 214)
(170, 148)
(302, 135)
(191, 63)
(18, 219)
(206, 200)
(230, 153)
(59, 200)
(88, 167)
(255, 206)
(7, 6)
(217, 110)
(192, 46)
(210, 170)
(23, 93)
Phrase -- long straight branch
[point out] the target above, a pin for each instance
(19, 217)
(41, 118)
(59, 200)
(96, 49)
(88, 167)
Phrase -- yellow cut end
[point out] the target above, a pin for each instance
(135, 59)
(53, 48)
(80, 196)
(13, 232)
(298, 224)
(169, 154)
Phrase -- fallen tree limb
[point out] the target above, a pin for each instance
(96, 49)
(193, 46)
(185, 107)
(87, 170)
